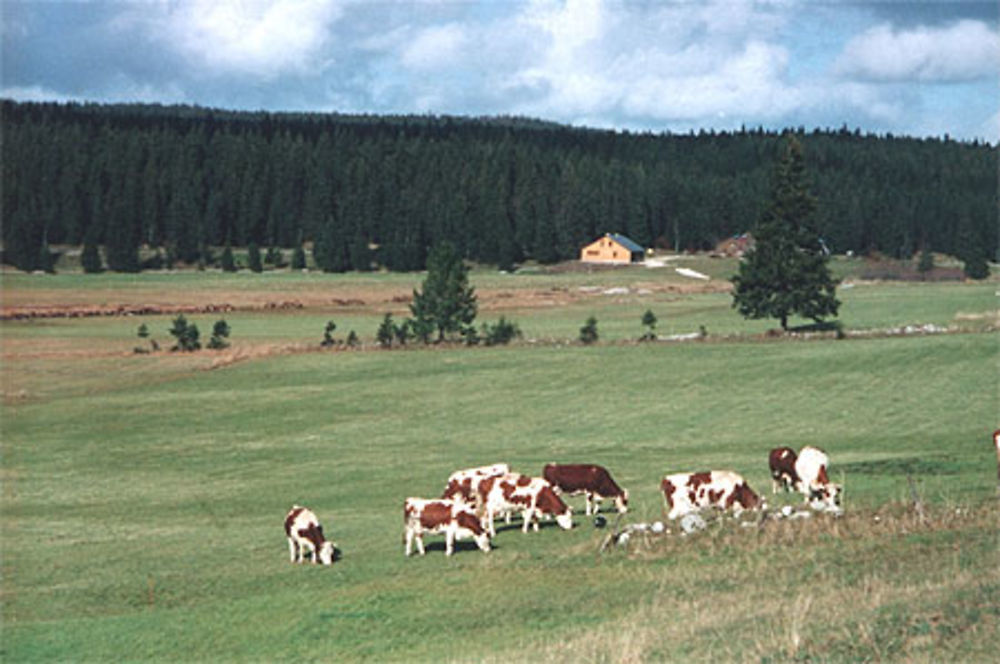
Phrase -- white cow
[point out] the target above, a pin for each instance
(814, 483)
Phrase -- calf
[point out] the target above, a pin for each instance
(814, 483)
(454, 519)
(686, 493)
(464, 484)
(305, 534)
(532, 495)
(783, 475)
(593, 481)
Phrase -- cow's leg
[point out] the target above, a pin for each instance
(420, 544)
(449, 541)
(409, 542)
(291, 549)
(489, 525)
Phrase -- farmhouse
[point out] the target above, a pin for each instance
(612, 248)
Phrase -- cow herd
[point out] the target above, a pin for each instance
(474, 498)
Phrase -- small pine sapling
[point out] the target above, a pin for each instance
(649, 321)
(328, 339)
(385, 332)
(588, 333)
(220, 332)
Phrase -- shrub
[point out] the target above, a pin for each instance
(403, 331)
(352, 339)
(328, 339)
(186, 335)
(220, 332)
(385, 332)
(503, 332)
(588, 333)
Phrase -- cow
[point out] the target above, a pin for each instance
(305, 534)
(593, 481)
(436, 516)
(686, 493)
(464, 484)
(532, 495)
(814, 483)
(783, 475)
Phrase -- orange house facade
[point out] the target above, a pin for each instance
(612, 248)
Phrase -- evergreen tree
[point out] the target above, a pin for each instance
(786, 272)
(90, 259)
(385, 331)
(226, 261)
(925, 263)
(253, 258)
(446, 302)
(299, 258)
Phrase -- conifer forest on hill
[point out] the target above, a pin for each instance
(502, 190)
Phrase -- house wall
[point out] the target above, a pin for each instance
(605, 250)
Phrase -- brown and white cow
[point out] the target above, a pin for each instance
(593, 481)
(533, 496)
(305, 534)
(685, 493)
(453, 518)
(814, 482)
(464, 484)
(782, 463)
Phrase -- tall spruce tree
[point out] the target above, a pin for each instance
(786, 272)
(446, 303)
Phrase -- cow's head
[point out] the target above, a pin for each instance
(826, 498)
(483, 541)
(325, 553)
(565, 520)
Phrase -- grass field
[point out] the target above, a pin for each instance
(143, 494)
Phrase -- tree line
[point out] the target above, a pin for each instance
(371, 191)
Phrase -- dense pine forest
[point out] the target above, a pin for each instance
(381, 190)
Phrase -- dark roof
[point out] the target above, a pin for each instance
(626, 242)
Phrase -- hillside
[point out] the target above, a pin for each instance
(379, 190)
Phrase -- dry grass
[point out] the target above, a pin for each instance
(885, 585)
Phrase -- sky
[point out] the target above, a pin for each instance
(925, 69)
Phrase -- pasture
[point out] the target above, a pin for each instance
(143, 494)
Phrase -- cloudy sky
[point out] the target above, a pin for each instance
(924, 68)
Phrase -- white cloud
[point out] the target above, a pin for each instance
(248, 36)
(436, 47)
(964, 51)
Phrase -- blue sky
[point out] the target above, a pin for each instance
(910, 68)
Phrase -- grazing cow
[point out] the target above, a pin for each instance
(305, 534)
(686, 493)
(532, 495)
(783, 475)
(464, 484)
(593, 481)
(814, 483)
(454, 519)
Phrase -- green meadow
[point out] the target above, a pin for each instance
(143, 494)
